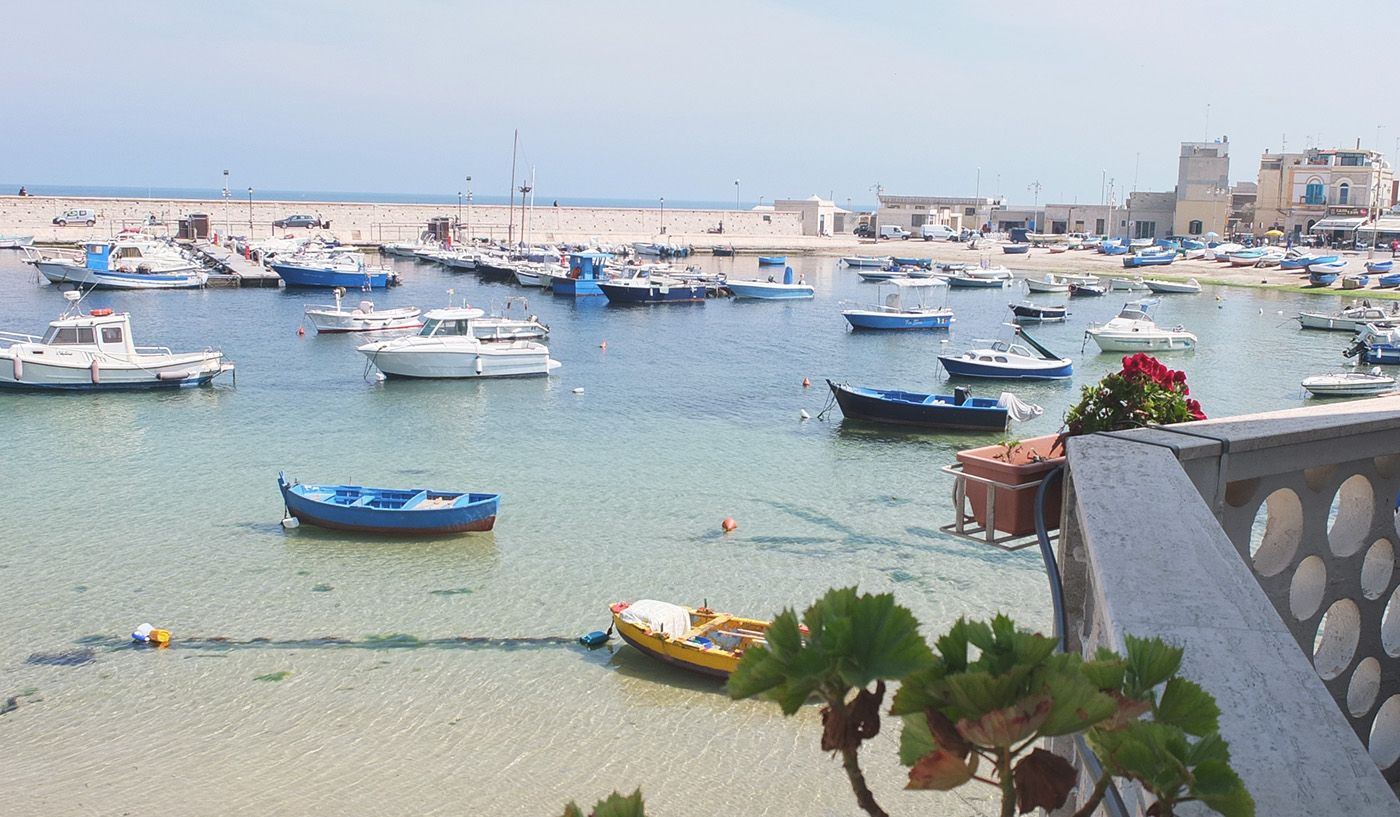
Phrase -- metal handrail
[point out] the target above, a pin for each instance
(1113, 801)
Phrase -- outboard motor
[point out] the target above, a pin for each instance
(960, 395)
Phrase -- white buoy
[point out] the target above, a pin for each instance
(578, 390)
(805, 415)
(291, 522)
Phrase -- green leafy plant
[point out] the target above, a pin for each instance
(978, 709)
(1145, 391)
(614, 805)
(852, 641)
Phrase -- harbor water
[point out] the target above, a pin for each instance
(321, 672)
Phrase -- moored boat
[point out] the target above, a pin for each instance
(866, 260)
(95, 352)
(1350, 319)
(334, 268)
(1134, 331)
(15, 242)
(1190, 285)
(772, 260)
(397, 511)
(1027, 311)
(1049, 283)
(1009, 360)
(905, 308)
(1349, 384)
(696, 639)
(956, 411)
(773, 290)
(447, 347)
(1079, 290)
(364, 318)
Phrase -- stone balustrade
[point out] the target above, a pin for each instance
(1266, 546)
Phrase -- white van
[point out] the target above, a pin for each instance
(893, 231)
(939, 231)
(80, 215)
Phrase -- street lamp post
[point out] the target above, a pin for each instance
(663, 215)
(737, 204)
(228, 228)
(524, 191)
(459, 208)
(250, 213)
(469, 209)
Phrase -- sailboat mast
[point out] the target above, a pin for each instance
(510, 230)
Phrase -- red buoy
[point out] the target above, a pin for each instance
(729, 525)
(603, 345)
(301, 331)
(806, 382)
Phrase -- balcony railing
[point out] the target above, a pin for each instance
(1266, 546)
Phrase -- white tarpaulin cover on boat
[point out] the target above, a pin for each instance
(658, 616)
(1346, 224)
(1020, 411)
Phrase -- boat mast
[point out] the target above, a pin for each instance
(510, 229)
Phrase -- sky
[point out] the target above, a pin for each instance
(678, 100)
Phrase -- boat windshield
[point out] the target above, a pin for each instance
(437, 327)
(69, 335)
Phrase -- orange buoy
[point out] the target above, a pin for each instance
(729, 525)
(806, 382)
(603, 345)
(301, 331)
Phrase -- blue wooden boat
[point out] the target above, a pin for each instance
(922, 263)
(1015, 249)
(1156, 259)
(1299, 263)
(1113, 248)
(1033, 312)
(905, 308)
(1009, 360)
(652, 290)
(406, 512)
(959, 410)
(1322, 259)
(1379, 266)
(1087, 290)
(772, 260)
(1390, 279)
(346, 270)
(586, 269)
(1322, 279)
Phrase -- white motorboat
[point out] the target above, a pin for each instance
(1134, 331)
(134, 261)
(502, 323)
(1050, 283)
(774, 290)
(1009, 360)
(1190, 285)
(447, 346)
(881, 274)
(1349, 384)
(876, 261)
(94, 351)
(1128, 284)
(364, 318)
(1350, 319)
(15, 242)
(996, 272)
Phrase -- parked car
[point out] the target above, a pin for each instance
(79, 215)
(894, 231)
(297, 221)
(864, 231)
(932, 231)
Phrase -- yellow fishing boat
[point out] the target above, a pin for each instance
(697, 639)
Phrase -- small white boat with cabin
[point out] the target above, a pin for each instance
(1190, 286)
(447, 347)
(1049, 283)
(1349, 384)
(94, 351)
(364, 318)
(1352, 318)
(1134, 331)
(1128, 284)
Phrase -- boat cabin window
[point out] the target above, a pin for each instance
(111, 334)
(128, 252)
(69, 335)
(442, 328)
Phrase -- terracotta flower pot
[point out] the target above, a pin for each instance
(1015, 510)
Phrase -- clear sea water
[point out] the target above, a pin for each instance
(118, 509)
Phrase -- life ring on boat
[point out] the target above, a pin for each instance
(575, 272)
(99, 313)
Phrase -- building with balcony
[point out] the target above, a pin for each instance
(913, 212)
(1329, 192)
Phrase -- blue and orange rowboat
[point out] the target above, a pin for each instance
(400, 512)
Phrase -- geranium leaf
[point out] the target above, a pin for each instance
(1004, 728)
(1105, 674)
(572, 810)
(1043, 780)
(1075, 706)
(915, 739)
(1224, 792)
(1209, 747)
(1186, 705)
(615, 805)
(920, 690)
(1151, 661)
(939, 771)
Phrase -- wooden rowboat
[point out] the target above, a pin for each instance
(696, 639)
(406, 512)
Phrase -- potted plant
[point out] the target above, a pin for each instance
(1144, 392)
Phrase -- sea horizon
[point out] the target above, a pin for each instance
(217, 194)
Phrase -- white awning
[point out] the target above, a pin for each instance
(1385, 224)
(1343, 224)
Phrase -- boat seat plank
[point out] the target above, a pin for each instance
(702, 629)
(414, 500)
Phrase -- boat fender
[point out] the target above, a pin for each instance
(19, 368)
(478, 364)
(180, 375)
(291, 522)
(96, 370)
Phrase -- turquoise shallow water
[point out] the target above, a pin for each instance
(121, 508)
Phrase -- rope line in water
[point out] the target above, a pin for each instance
(88, 652)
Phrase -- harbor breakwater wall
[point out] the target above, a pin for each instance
(375, 223)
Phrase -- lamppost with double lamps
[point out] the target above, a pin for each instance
(250, 213)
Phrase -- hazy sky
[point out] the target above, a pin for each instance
(678, 99)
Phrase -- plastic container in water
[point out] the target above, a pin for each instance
(142, 633)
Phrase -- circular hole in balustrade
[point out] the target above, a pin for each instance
(1306, 590)
(1364, 687)
(1377, 569)
(1390, 626)
(1337, 636)
(1277, 530)
(1385, 734)
(1353, 508)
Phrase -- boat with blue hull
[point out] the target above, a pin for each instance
(905, 308)
(785, 289)
(1153, 259)
(956, 411)
(400, 512)
(586, 269)
(337, 269)
(772, 260)
(1008, 360)
(1379, 266)
(645, 289)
